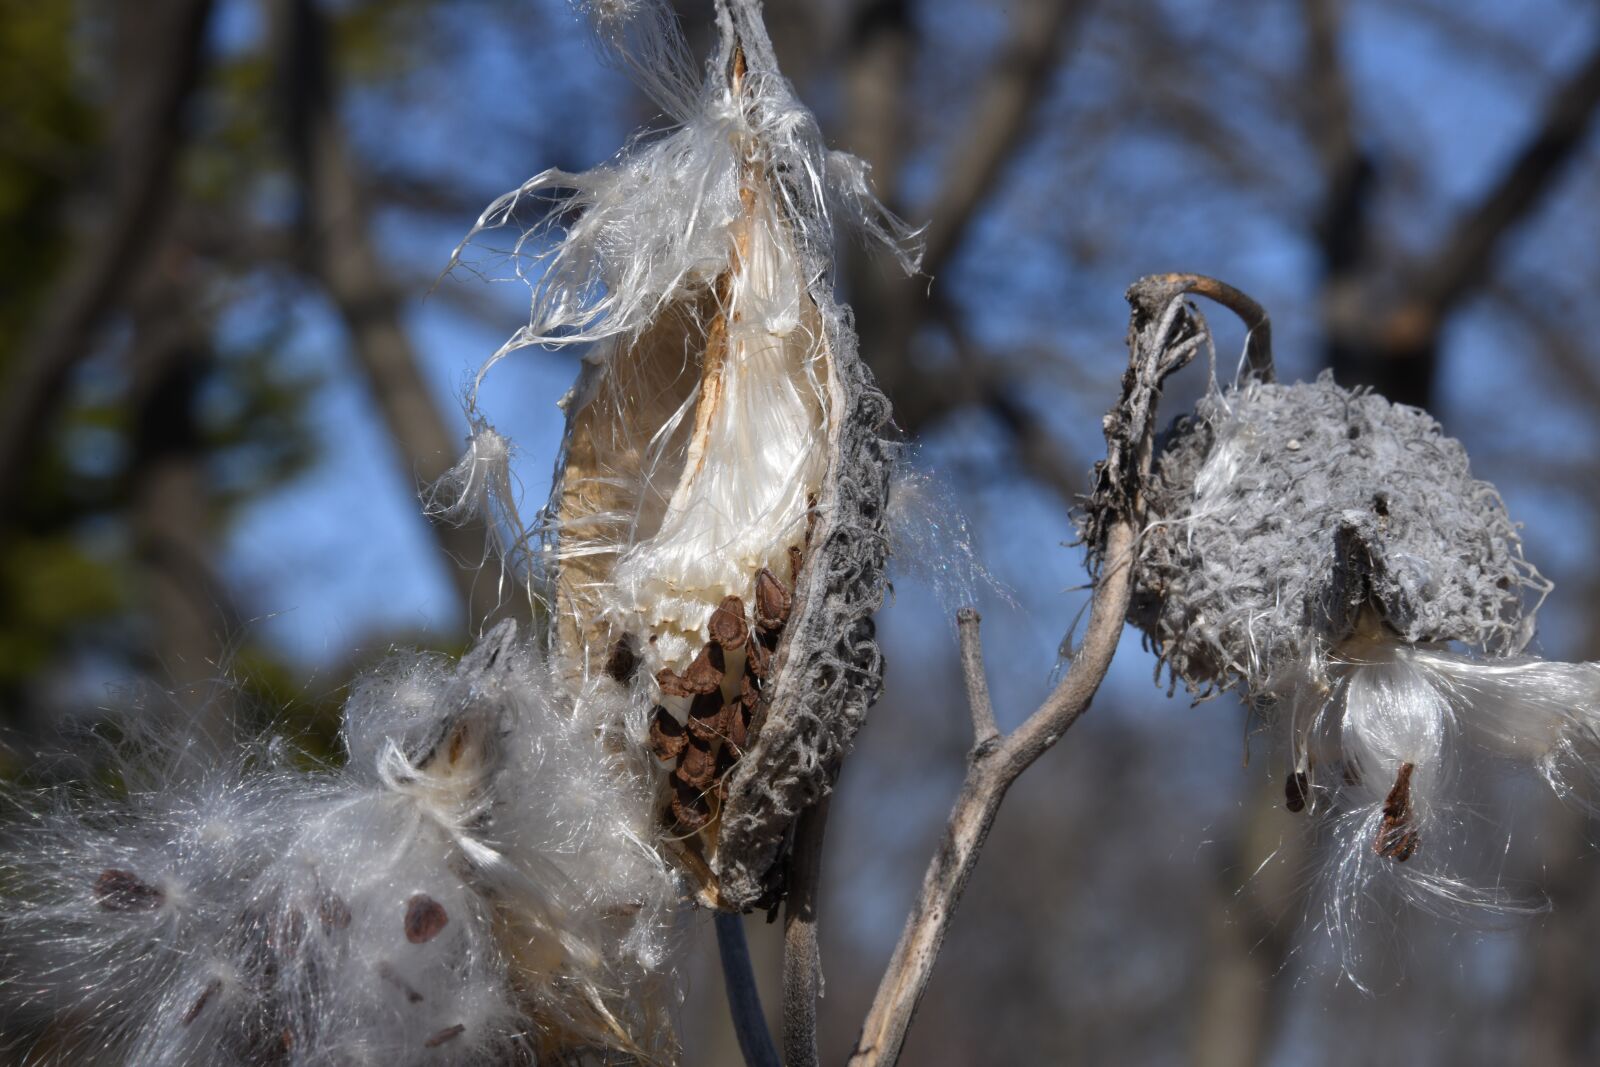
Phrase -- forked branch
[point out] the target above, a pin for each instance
(1164, 334)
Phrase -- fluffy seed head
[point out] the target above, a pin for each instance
(474, 883)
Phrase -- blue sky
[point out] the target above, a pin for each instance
(340, 554)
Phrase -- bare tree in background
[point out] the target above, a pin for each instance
(1057, 148)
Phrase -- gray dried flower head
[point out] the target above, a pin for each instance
(1331, 554)
(1280, 513)
(715, 539)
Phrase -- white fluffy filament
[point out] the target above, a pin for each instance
(756, 452)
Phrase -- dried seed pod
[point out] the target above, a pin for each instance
(1317, 547)
(1279, 514)
(723, 428)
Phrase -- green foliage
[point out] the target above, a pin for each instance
(48, 129)
(229, 255)
(51, 589)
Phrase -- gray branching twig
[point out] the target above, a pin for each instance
(1163, 336)
(985, 732)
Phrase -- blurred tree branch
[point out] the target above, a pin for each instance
(1569, 357)
(1392, 343)
(190, 608)
(1005, 106)
(167, 37)
(341, 252)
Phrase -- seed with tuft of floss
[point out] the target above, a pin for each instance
(425, 919)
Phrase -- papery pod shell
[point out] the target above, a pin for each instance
(612, 493)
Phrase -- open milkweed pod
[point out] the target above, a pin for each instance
(1331, 554)
(1283, 516)
(716, 528)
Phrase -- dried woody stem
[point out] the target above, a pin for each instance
(985, 732)
(744, 999)
(802, 960)
(1164, 333)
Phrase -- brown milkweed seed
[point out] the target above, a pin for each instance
(425, 918)
(289, 933)
(689, 809)
(705, 717)
(736, 725)
(388, 974)
(449, 1033)
(705, 673)
(703, 676)
(212, 987)
(758, 659)
(773, 601)
(333, 911)
(1397, 840)
(666, 735)
(698, 768)
(623, 661)
(1294, 791)
(119, 890)
(727, 624)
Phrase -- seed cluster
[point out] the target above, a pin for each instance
(723, 686)
(1280, 514)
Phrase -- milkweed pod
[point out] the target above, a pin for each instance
(716, 527)
(1282, 516)
(719, 513)
(1321, 548)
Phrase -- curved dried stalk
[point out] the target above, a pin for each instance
(1163, 336)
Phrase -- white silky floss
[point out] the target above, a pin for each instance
(476, 880)
(757, 453)
(718, 229)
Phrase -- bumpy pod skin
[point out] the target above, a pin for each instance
(828, 669)
(1279, 513)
